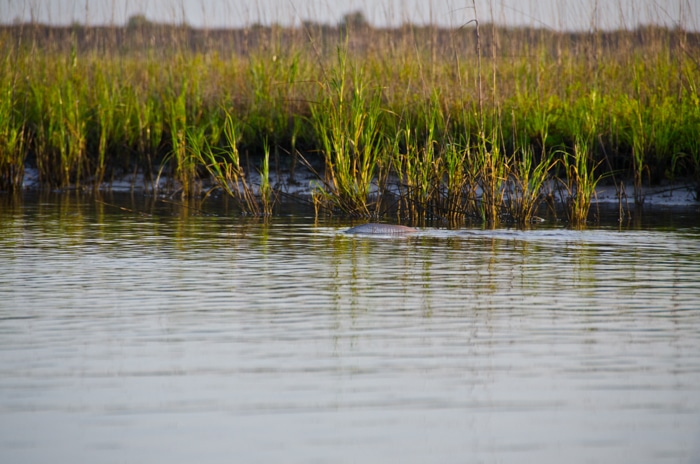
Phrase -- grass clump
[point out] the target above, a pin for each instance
(346, 120)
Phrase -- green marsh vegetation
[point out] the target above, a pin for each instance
(478, 123)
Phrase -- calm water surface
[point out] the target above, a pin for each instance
(154, 333)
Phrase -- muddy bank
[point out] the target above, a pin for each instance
(303, 182)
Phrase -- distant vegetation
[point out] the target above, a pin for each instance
(480, 121)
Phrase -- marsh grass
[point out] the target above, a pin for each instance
(13, 139)
(580, 181)
(411, 117)
(417, 165)
(224, 165)
(346, 120)
(267, 194)
(181, 136)
(460, 193)
(492, 174)
(527, 184)
(59, 123)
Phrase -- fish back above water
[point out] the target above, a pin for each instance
(381, 229)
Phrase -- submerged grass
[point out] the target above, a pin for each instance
(408, 119)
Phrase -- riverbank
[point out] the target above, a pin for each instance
(299, 187)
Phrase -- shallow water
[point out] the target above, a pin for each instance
(140, 332)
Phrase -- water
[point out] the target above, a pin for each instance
(176, 336)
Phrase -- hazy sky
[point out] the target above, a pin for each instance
(556, 14)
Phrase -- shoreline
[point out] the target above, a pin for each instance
(680, 193)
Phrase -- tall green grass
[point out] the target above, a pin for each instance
(426, 121)
(580, 181)
(13, 134)
(346, 120)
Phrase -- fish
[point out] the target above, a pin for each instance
(374, 228)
